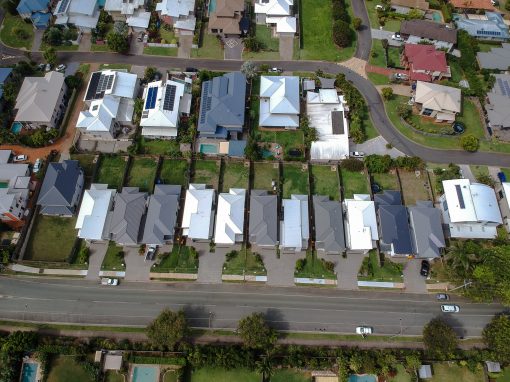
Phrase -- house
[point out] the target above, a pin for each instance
(470, 210)
(230, 217)
(440, 35)
(326, 112)
(425, 372)
(131, 12)
(440, 102)
(394, 232)
(178, 13)
(41, 101)
(490, 26)
(226, 18)
(5, 76)
(496, 58)
(263, 224)
(277, 14)
(422, 5)
(279, 102)
(426, 230)
(471, 6)
(162, 214)
(425, 63)
(37, 11)
(110, 100)
(222, 106)
(93, 221)
(360, 223)
(497, 107)
(130, 205)
(61, 189)
(294, 228)
(165, 102)
(503, 195)
(197, 219)
(83, 14)
(329, 225)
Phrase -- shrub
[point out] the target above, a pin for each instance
(342, 33)
(356, 23)
(470, 143)
(339, 11)
(387, 93)
(404, 111)
(352, 164)
(378, 164)
(300, 264)
(231, 255)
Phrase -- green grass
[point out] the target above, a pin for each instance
(142, 173)
(289, 375)
(264, 35)
(318, 32)
(100, 48)
(160, 51)
(168, 36)
(377, 54)
(158, 146)
(401, 376)
(394, 57)
(244, 263)
(314, 268)
(372, 13)
(261, 55)
(170, 376)
(206, 172)
(479, 170)
(443, 372)
(113, 259)
(111, 171)
(52, 239)
(235, 175)
(456, 71)
(387, 181)
(115, 66)
(210, 48)
(84, 69)
(506, 171)
(9, 38)
(66, 368)
(325, 182)
(504, 376)
(487, 46)
(414, 188)
(59, 48)
(288, 140)
(354, 183)
(180, 260)
(378, 79)
(390, 271)
(86, 162)
(113, 376)
(264, 174)
(392, 25)
(221, 375)
(173, 171)
(295, 180)
(370, 130)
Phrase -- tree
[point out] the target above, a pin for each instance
(385, 44)
(18, 342)
(439, 338)
(496, 335)
(470, 143)
(404, 111)
(20, 33)
(50, 56)
(356, 23)
(414, 14)
(11, 89)
(412, 363)
(73, 82)
(378, 164)
(149, 74)
(252, 150)
(10, 6)
(309, 132)
(507, 5)
(249, 69)
(387, 93)
(252, 44)
(486, 179)
(255, 332)
(342, 33)
(168, 329)
(264, 366)
(53, 36)
(491, 279)
(117, 42)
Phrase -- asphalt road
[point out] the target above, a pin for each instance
(295, 309)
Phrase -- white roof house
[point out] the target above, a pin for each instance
(470, 209)
(84, 14)
(442, 102)
(279, 101)
(325, 110)
(123, 6)
(294, 228)
(164, 103)
(92, 222)
(360, 223)
(180, 13)
(197, 219)
(230, 217)
(111, 82)
(276, 12)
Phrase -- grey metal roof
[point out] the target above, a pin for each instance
(429, 29)
(389, 197)
(263, 218)
(426, 230)
(492, 28)
(393, 222)
(127, 215)
(497, 58)
(59, 187)
(327, 83)
(498, 107)
(161, 214)
(329, 225)
(222, 102)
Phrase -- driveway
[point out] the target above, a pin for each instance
(137, 269)
(136, 47)
(233, 48)
(414, 282)
(36, 44)
(85, 43)
(346, 269)
(97, 253)
(376, 145)
(286, 47)
(280, 271)
(210, 264)
(379, 34)
(185, 42)
(466, 172)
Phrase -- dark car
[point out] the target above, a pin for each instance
(442, 297)
(191, 70)
(425, 268)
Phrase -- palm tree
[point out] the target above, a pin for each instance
(264, 366)
(462, 258)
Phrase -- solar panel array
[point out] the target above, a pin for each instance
(152, 94)
(105, 83)
(504, 87)
(63, 6)
(462, 205)
(168, 103)
(205, 99)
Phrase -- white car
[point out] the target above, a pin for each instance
(37, 166)
(275, 70)
(450, 309)
(397, 37)
(20, 158)
(61, 68)
(109, 281)
(364, 330)
(357, 154)
(379, 7)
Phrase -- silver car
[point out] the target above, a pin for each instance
(450, 309)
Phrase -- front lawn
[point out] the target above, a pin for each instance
(126, 67)
(114, 376)
(173, 171)
(450, 372)
(211, 47)
(386, 181)
(414, 187)
(67, 368)
(8, 33)
(180, 260)
(354, 183)
(160, 51)
(114, 258)
(209, 374)
(325, 181)
(264, 174)
(377, 57)
(378, 79)
(479, 171)
(295, 180)
(235, 175)
(158, 146)
(100, 48)
(111, 170)
(264, 35)
(206, 172)
(142, 173)
(51, 239)
(314, 268)
(243, 262)
(371, 269)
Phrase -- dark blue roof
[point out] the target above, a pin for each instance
(41, 20)
(395, 229)
(236, 148)
(31, 6)
(4, 73)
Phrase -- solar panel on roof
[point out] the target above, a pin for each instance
(168, 103)
(150, 102)
(460, 197)
(507, 88)
(501, 86)
(63, 6)
(105, 83)
(94, 80)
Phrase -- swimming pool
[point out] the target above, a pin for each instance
(16, 127)
(212, 6)
(207, 148)
(29, 372)
(436, 16)
(362, 378)
(145, 374)
(101, 3)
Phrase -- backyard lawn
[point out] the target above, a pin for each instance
(142, 173)
(371, 269)
(504, 376)
(207, 374)
(235, 175)
(52, 239)
(295, 180)
(158, 146)
(173, 171)
(443, 372)
(113, 376)
(67, 368)
(264, 174)
(86, 163)
(111, 170)
(264, 35)
(10, 38)
(160, 51)
(325, 181)
(401, 376)
(288, 140)
(114, 258)
(207, 172)
(414, 187)
(354, 183)
(290, 375)
(170, 376)
(180, 260)
(244, 262)
(314, 268)
(386, 181)
(211, 47)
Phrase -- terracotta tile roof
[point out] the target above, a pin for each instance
(473, 4)
(425, 57)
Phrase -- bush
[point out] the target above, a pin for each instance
(410, 163)
(352, 164)
(404, 111)
(387, 93)
(356, 23)
(470, 143)
(378, 164)
(342, 33)
(300, 264)
(339, 11)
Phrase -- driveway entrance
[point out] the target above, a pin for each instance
(233, 48)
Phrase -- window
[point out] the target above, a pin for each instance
(214, 30)
(427, 112)
(445, 206)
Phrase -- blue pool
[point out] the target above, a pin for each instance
(29, 372)
(207, 148)
(362, 378)
(16, 127)
(436, 16)
(267, 153)
(212, 6)
(145, 374)
(101, 3)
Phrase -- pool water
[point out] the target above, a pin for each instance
(29, 372)
(267, 153)
(145, 374)
(206, 148)
(212, 6)
(362, 378)
(16, 127)
(101, 3)
(437, 17)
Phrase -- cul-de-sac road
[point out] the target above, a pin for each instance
(294, 309)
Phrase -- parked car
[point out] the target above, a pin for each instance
(275, 70)
(191, 70)
(442, 297)
(401, 76)
(37, 166)
(61, 68)
(150, 252)
(397, 37)
(450, 309)
(364, 330)
(425, 268)
(47, 68)
(20, 158)
(41, 66)
(357, 154)
(109, 281)
(379, 7)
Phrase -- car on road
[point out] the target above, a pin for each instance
(397, 37)
(109, 281)
(275, 70)
(364, 330)
(357, 154)
(425, 268)
(20, 158)
(442, 297)
(37, 166)
(61, 68)
(450, 309)
(150, 252)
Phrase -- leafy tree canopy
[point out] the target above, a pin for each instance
(168, 329)
(440, 339)
(496, 336)
(255, 332)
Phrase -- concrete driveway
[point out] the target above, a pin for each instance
(137, 269)
(210, 264)
(85, 43)
(233, 48)
(286, 47)
(280, 271)
(379, 34)
(376, 145)
(38, 35)
(97, 253)
(346, 269)
(185, 42)
(414, 282)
